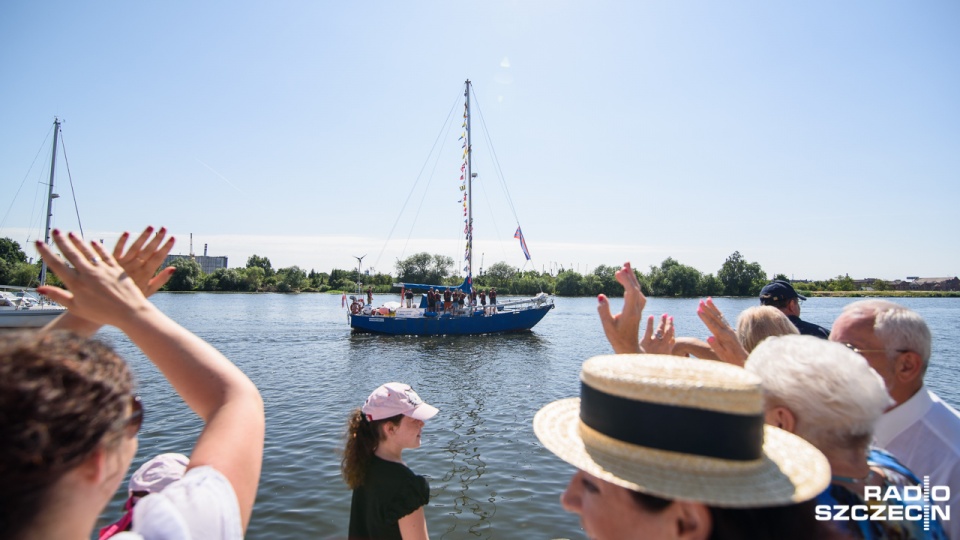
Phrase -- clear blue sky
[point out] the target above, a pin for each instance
(816, 138)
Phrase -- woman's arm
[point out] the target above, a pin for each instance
(413, 526)
(102, 292)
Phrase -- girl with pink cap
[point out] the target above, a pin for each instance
(388, 498)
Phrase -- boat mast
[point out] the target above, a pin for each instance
(50, 197)
(466, 94)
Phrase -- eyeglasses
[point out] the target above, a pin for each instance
(861, 351)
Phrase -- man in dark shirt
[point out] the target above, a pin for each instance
(781, 295)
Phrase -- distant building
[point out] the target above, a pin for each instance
(928, 284)
(865, 284)
(207, 264)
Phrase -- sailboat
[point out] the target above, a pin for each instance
(23, 307)
(511, 316)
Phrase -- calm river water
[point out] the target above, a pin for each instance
(489, 477)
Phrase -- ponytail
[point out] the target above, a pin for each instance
(362, 439)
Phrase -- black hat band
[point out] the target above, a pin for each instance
(673, 428)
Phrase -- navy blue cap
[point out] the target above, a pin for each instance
(779, 290)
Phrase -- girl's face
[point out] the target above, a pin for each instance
(407, 434)
(608, 511)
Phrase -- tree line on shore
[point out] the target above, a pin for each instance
(736, 277)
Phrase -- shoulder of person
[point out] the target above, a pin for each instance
(202, 505)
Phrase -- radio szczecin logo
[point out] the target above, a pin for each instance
(908, 503)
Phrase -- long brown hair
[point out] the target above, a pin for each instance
(362, 439)
(61, 396)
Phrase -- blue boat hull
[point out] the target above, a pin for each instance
(502, 321)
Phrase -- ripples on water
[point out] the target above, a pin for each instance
(489, 477)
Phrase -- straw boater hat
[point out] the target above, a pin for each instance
(680, 428)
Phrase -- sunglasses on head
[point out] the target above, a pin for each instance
(135, 420)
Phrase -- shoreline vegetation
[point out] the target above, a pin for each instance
(735, 278)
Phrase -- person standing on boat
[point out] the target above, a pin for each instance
(493, 296)
(369, 296)
(446, 300)
(408, 295)
(388, 498)
(431, 301)
(483, 298)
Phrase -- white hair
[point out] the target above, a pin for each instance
(898, 327)
(835, 396)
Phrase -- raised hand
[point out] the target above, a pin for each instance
(140, 262)
(724, 341)
(143, 259)
(623, 329)
(663, 340)
(99, 289)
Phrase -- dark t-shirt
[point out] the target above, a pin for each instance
(389, 492)
(809, 329)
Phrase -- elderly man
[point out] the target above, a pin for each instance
(781, 295)
(920, 429)
(829, 396)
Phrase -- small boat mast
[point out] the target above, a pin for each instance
(50, 197)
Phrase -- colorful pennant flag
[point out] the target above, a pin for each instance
(523, 243)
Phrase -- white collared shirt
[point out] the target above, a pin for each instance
(924, 434)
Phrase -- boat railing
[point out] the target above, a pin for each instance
(524, 303)
(25, 297)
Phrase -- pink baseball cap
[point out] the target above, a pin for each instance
(158, 473)
(396, 398)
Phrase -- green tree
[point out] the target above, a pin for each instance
(880, 285)
(415, 268)
(292, 279)
(499, 275)
(741, 278)
(569, 283)
(441, 267)
(339, 279)
(781, 277)
(225, 279)
(187, 276)
(608, 280)
(842, 283)
(710, 285)
(260, 262)
(424, 268)
(11, 257)
(591, 285)
(253, 278)
(805, 286)
(11, 251)
(24, 274)
(674, 279)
